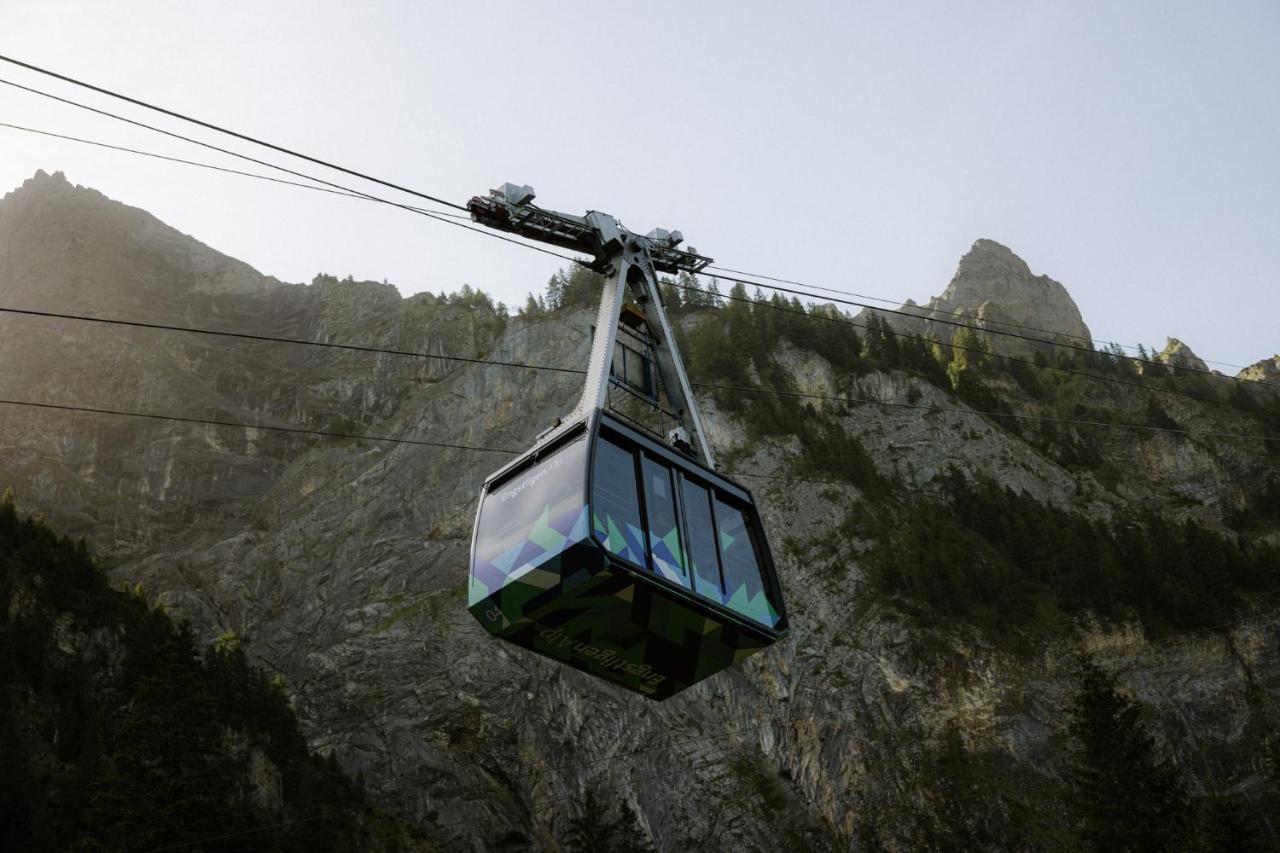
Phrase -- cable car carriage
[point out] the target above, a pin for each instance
(607, 546)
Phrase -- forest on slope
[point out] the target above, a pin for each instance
(119, 733)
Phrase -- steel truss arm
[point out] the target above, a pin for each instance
(631, 262)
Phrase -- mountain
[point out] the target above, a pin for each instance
(995, 289)
(944, 570)
(1178, 354)
(1267, 370)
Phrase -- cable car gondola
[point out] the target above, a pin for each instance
(607, 547)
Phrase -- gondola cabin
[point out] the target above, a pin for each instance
(610, 548)
(610, 552)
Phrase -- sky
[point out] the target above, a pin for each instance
(1127, 150)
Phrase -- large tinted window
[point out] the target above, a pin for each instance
(615, 502)
(702, 540)
(745, 589)
(533, 516)
(665, 541)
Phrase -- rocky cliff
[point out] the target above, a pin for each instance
(1178, 354)
(1267, 370)
(344, 561)
(993, 288)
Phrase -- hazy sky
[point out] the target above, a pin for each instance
(1127, 149)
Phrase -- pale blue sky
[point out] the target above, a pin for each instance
(1127, 149)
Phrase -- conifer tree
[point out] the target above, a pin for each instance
(1128, 799)
(597, 831)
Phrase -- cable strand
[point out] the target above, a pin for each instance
(430, 214)
(241, 136)
(988, 331)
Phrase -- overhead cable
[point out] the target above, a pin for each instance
(899, 302)
(364, 197)
(988, 331)
(843, 320)
(439, 216)
(341, 190)
(712, 386)
(989, 414)
(248, 336)
(241, 136)
(66, 407)
(1115, 380)
(364, 176)
(211, 166)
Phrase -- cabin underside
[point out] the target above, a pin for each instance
(614, 623)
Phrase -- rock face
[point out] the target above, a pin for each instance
(344, 561)
(71, 250)
(994, 288)
(1267, 370)
(1178, 354)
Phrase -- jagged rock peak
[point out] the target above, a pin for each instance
(43, 182)
(77, 245)
(1178, 354)
(991, 272)
(1266, 370)
(995, 287)
(42, 179)
(985, 255)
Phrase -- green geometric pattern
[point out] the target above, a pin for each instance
(551, 575)
(616, 624)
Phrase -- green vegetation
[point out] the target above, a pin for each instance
(984, 799)
(1118, 794)
(1001, 560)
(118, 733)
(577, 287)
(766, 792)
(603, 829)
(1128, 798)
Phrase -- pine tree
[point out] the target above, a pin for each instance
(971, 352)
(1128, 799)
(597, 831)
(168, 773)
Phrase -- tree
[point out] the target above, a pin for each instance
(1128, 799)
(578, 287)
(168, 773)
(971, 351)
(599, 831)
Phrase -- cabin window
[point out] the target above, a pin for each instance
(665, 541)
(702, 540)
(615, 502)
(647, 512)
(534, 516)
(745, 589)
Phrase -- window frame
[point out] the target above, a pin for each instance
(673, 483)
(608, 428)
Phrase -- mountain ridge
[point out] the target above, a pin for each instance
(344, 561)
